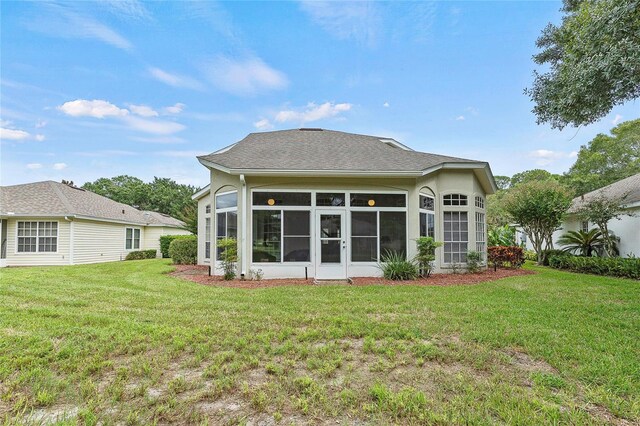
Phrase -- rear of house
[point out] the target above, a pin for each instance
(49, 223)
(330, 205)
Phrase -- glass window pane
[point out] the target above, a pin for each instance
(330, 226)
(330, 251)
(423, 224)
(378, 200)
(232, 224)
(296, 223)
(364, 224)
(226, 200)
(207, 229)
(129, 233)
(281, 198)
(221, 225)
(364, 249)
(393, 233)
(427, 202)
(266, 236)
(207, 250)
(330, 199)
(296, 249)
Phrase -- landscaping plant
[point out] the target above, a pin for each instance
(395, 266)
(501, 236)
(581, 242)
(228, 256)
(612, 266)
(141, 254)
(505, 256)
(165, 241)
(474, 261)
(426, 255)
(184, 251)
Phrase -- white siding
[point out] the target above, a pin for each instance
(61, 257)
(100, 241)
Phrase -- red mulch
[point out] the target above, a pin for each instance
(198, 274)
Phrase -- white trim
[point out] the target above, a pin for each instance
(244, 257)
(133, 238)
(22, 253)
(204, 191)
(71, 240)
(395, 143)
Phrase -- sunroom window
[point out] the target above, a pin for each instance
(454, 200)
(456, 236)
(427, 216)
(226, 218)
(376, 234)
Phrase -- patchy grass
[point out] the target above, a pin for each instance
(127, 343)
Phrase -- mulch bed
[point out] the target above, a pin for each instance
(199, 274)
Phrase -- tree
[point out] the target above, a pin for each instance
(581, 242)
(606, 159)
(123, 189)
(538, 207)
(601, 210)
(593, 59)
(189, 215)
(531, 176)
(502, 182)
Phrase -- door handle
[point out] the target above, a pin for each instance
(344, 244)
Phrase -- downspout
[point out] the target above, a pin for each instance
(243, 240)
(71, 239)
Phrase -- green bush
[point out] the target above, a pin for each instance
(530, 255)
(395, 266)
(426, 255)
(505, 256)
(228, 256)
(142, 254)
(184, 251)
(546, 254)
(474, 261)
(165, 241)
(612, 266)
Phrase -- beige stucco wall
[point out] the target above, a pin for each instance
(61, 257)
(442, 182)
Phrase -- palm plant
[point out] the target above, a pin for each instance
(581, 242)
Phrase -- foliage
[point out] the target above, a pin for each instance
(496, 214)
(395, 266)
(426, 254)
(255, 274)
(533, 175)
(600, 210)
(141, 254)
(184, 251)
(502, 182)
(612, 266)
(189, 215)
(606, 159)
(530, 255)
(120, 327)
(593, 59)
(165, 241)
(228, 256)
(550, 253)
(539, 208)
(505, 256)
(581, 242)
(161, 195)
(501, 236)
(474, 261)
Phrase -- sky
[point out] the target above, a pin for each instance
(100, 89)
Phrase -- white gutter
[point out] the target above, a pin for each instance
(204, 191)
(243, 266)
(71, 239)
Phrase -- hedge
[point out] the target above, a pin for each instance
(611, 266)
(505, 256)
(184, 251)
(142, 254)
(165, 241)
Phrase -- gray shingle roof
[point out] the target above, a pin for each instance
(50, 198)
(629, 187)
(317, 149)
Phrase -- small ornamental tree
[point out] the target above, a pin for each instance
(600, 211)
(228, 256)
(426, 254)
(538, 207)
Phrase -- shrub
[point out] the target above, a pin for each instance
(426, 254)
(142, 254)
(395, 266)
(502, 236)
(184, 251)
(228, 256)
(611, 266)
(474, 261)
(165, 241)
(546, 254)
(530, 255)
(505, 256)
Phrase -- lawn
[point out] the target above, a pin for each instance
(127, 343)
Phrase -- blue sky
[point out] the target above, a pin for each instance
(93, 90)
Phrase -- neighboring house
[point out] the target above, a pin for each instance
(50, 223)
(626, 228)
(328, 204)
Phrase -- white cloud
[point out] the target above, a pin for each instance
(175, 80)
(13, 134)
(313, 112)
(386, 104)
(263, 124)
(244, 77)
(473, 110)
(617, 119)
(34, 166)
(40, 137)
(59, 166)
(359, 21)
(95, 108)
(175, 109)
(153, 126)
(128, 9)
(143, 110)
(460, 118)
(544, 157)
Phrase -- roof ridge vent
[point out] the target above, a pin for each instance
(310, 129)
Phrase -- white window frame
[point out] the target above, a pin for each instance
(214, 221)
(427, 213)
(444, 239)
(479, 202)
(38, 236)
(452, 194)
(481, 233)
(584, 228)
(207, 237)
(133, 238)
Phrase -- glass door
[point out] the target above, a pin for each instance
(330, 245)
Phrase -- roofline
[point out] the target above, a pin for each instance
(462, 165)
(83, 217)
(204, 191)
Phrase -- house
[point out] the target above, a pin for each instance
(327, 205)
(51, 223)
(627, 228)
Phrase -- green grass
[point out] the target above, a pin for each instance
(126, 343)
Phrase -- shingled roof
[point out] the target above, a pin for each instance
(629, 188)
(324, 150)
(50, 198)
